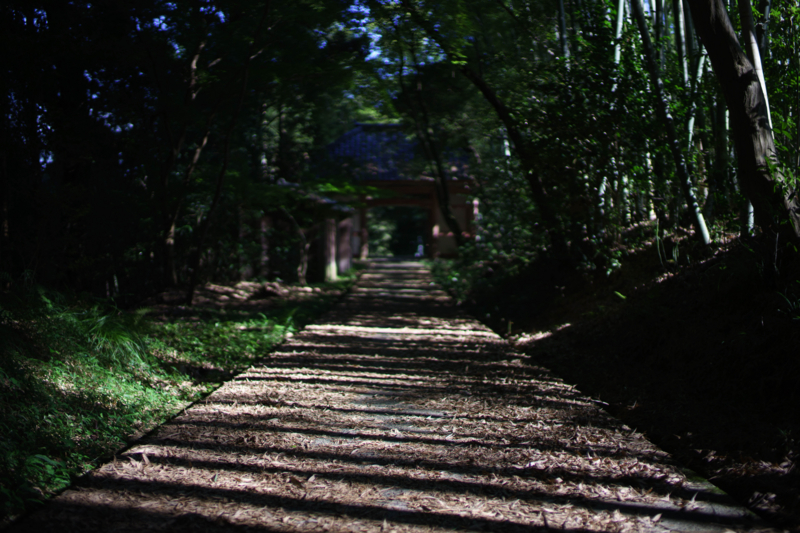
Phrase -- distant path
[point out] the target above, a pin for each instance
(394, 413)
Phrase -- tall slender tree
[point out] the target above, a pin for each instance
(665, 116)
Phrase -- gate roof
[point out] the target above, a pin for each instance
(384, 152)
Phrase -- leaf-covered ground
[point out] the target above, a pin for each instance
(395, 412)
(701, 358)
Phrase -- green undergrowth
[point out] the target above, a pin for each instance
(500, 289)
(80, 379)
(476, 272)
(512, 292)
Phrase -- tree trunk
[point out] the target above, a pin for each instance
(527, 157)
(693, 97)
(263, 234)
(525, 151)
(762, 30)
(424, 131)
(753, 53)
(562, 29)
(665, 117)
(775, 204)
(302, 267)
(688, 27)
(719, 174)
(363, 250)
(618, 32)
(5, 236)
(344, 250)
(680, 45)
(434, 156)
(659, 28)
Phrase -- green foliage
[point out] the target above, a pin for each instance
(78, 379)
(75, 381)
(172, 114)
(380, 233)
(476, 274)
(219, 342)
(115, 335)
(451, 278)
(141, 128)
(792, 299)
(782, 74)
(396, 231)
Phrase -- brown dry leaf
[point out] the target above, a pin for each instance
(401, 414)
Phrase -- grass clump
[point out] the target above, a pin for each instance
(75, 381)
(80, 379)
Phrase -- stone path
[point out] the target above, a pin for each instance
(394, 413)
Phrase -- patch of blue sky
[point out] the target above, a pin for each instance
(361, 24)
(45, 158)
(38, 19)
(160, 23)
(211, 9)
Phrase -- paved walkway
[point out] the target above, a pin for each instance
(394, 413)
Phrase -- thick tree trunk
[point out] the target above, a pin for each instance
(775, 204)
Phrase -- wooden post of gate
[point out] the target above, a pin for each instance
(329, 248)
(344, 251)
(363, 252)
(433, 228)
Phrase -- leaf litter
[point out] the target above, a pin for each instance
(395, 412)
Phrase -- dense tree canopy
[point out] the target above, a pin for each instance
(148, 144)
(136, 133)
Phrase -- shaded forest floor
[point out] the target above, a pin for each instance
(395, 411)
(701, 358)
(78, 379)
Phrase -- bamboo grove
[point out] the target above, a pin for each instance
(611, 114)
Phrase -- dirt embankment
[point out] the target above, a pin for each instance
(703, 359)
